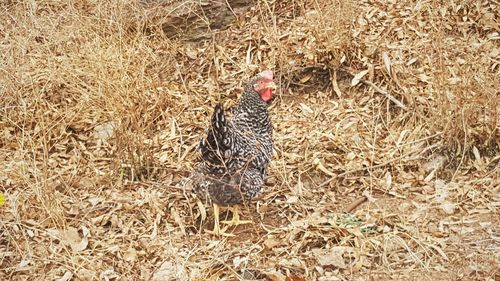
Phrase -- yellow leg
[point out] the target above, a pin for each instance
(236, 217)
(217, 230)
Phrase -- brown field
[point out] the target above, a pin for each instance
(386, 129)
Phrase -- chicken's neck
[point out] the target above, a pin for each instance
(252, 113)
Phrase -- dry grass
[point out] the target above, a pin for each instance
(100, 114)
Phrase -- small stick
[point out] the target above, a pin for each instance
(389, 96)
(355, 204)
(378, 90)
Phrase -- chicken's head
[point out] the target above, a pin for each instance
(264, 85)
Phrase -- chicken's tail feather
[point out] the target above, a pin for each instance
(217, 143)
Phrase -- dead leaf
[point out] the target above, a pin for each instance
(350, 155)
(330, 257)
(262, 209)
(454, 80)
(70, 237)
(306, 109)
(109, 274)
(440, 251)
(85, 274)
(104, 131)
(201, 208)
(371, 72)
(239, 260)
(425, 78)
(275, 276)
(172, 128)
(163, 156)
(271, 242)
(292, 199)
(441, 191)
(178, 220)
(191, 53)
(388, 179)
(130, 254)
(476, 153)
(448, 207)
(319, 164)
(402, 135)
(435, 163)
(336, 85)
(357, 78)
(305, 78)
(294, 278)
(387, 62)
(169, 271)
(411, 61)
(23, 264)
(67, 276)
(343, 59)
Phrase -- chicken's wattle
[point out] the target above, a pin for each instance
(267, 95)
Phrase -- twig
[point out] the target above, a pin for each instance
(355, 204)
(230, 8)
(389, 96)
(377, 89)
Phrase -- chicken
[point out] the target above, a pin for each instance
(235, 153)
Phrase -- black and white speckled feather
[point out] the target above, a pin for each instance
(235, 153)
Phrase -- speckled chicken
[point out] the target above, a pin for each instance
(235, 153)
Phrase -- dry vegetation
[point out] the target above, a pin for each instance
(395, 102)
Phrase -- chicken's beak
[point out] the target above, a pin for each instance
(271, 85)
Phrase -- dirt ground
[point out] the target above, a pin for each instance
(386, 163)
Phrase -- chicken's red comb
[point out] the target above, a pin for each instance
(266, 74)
